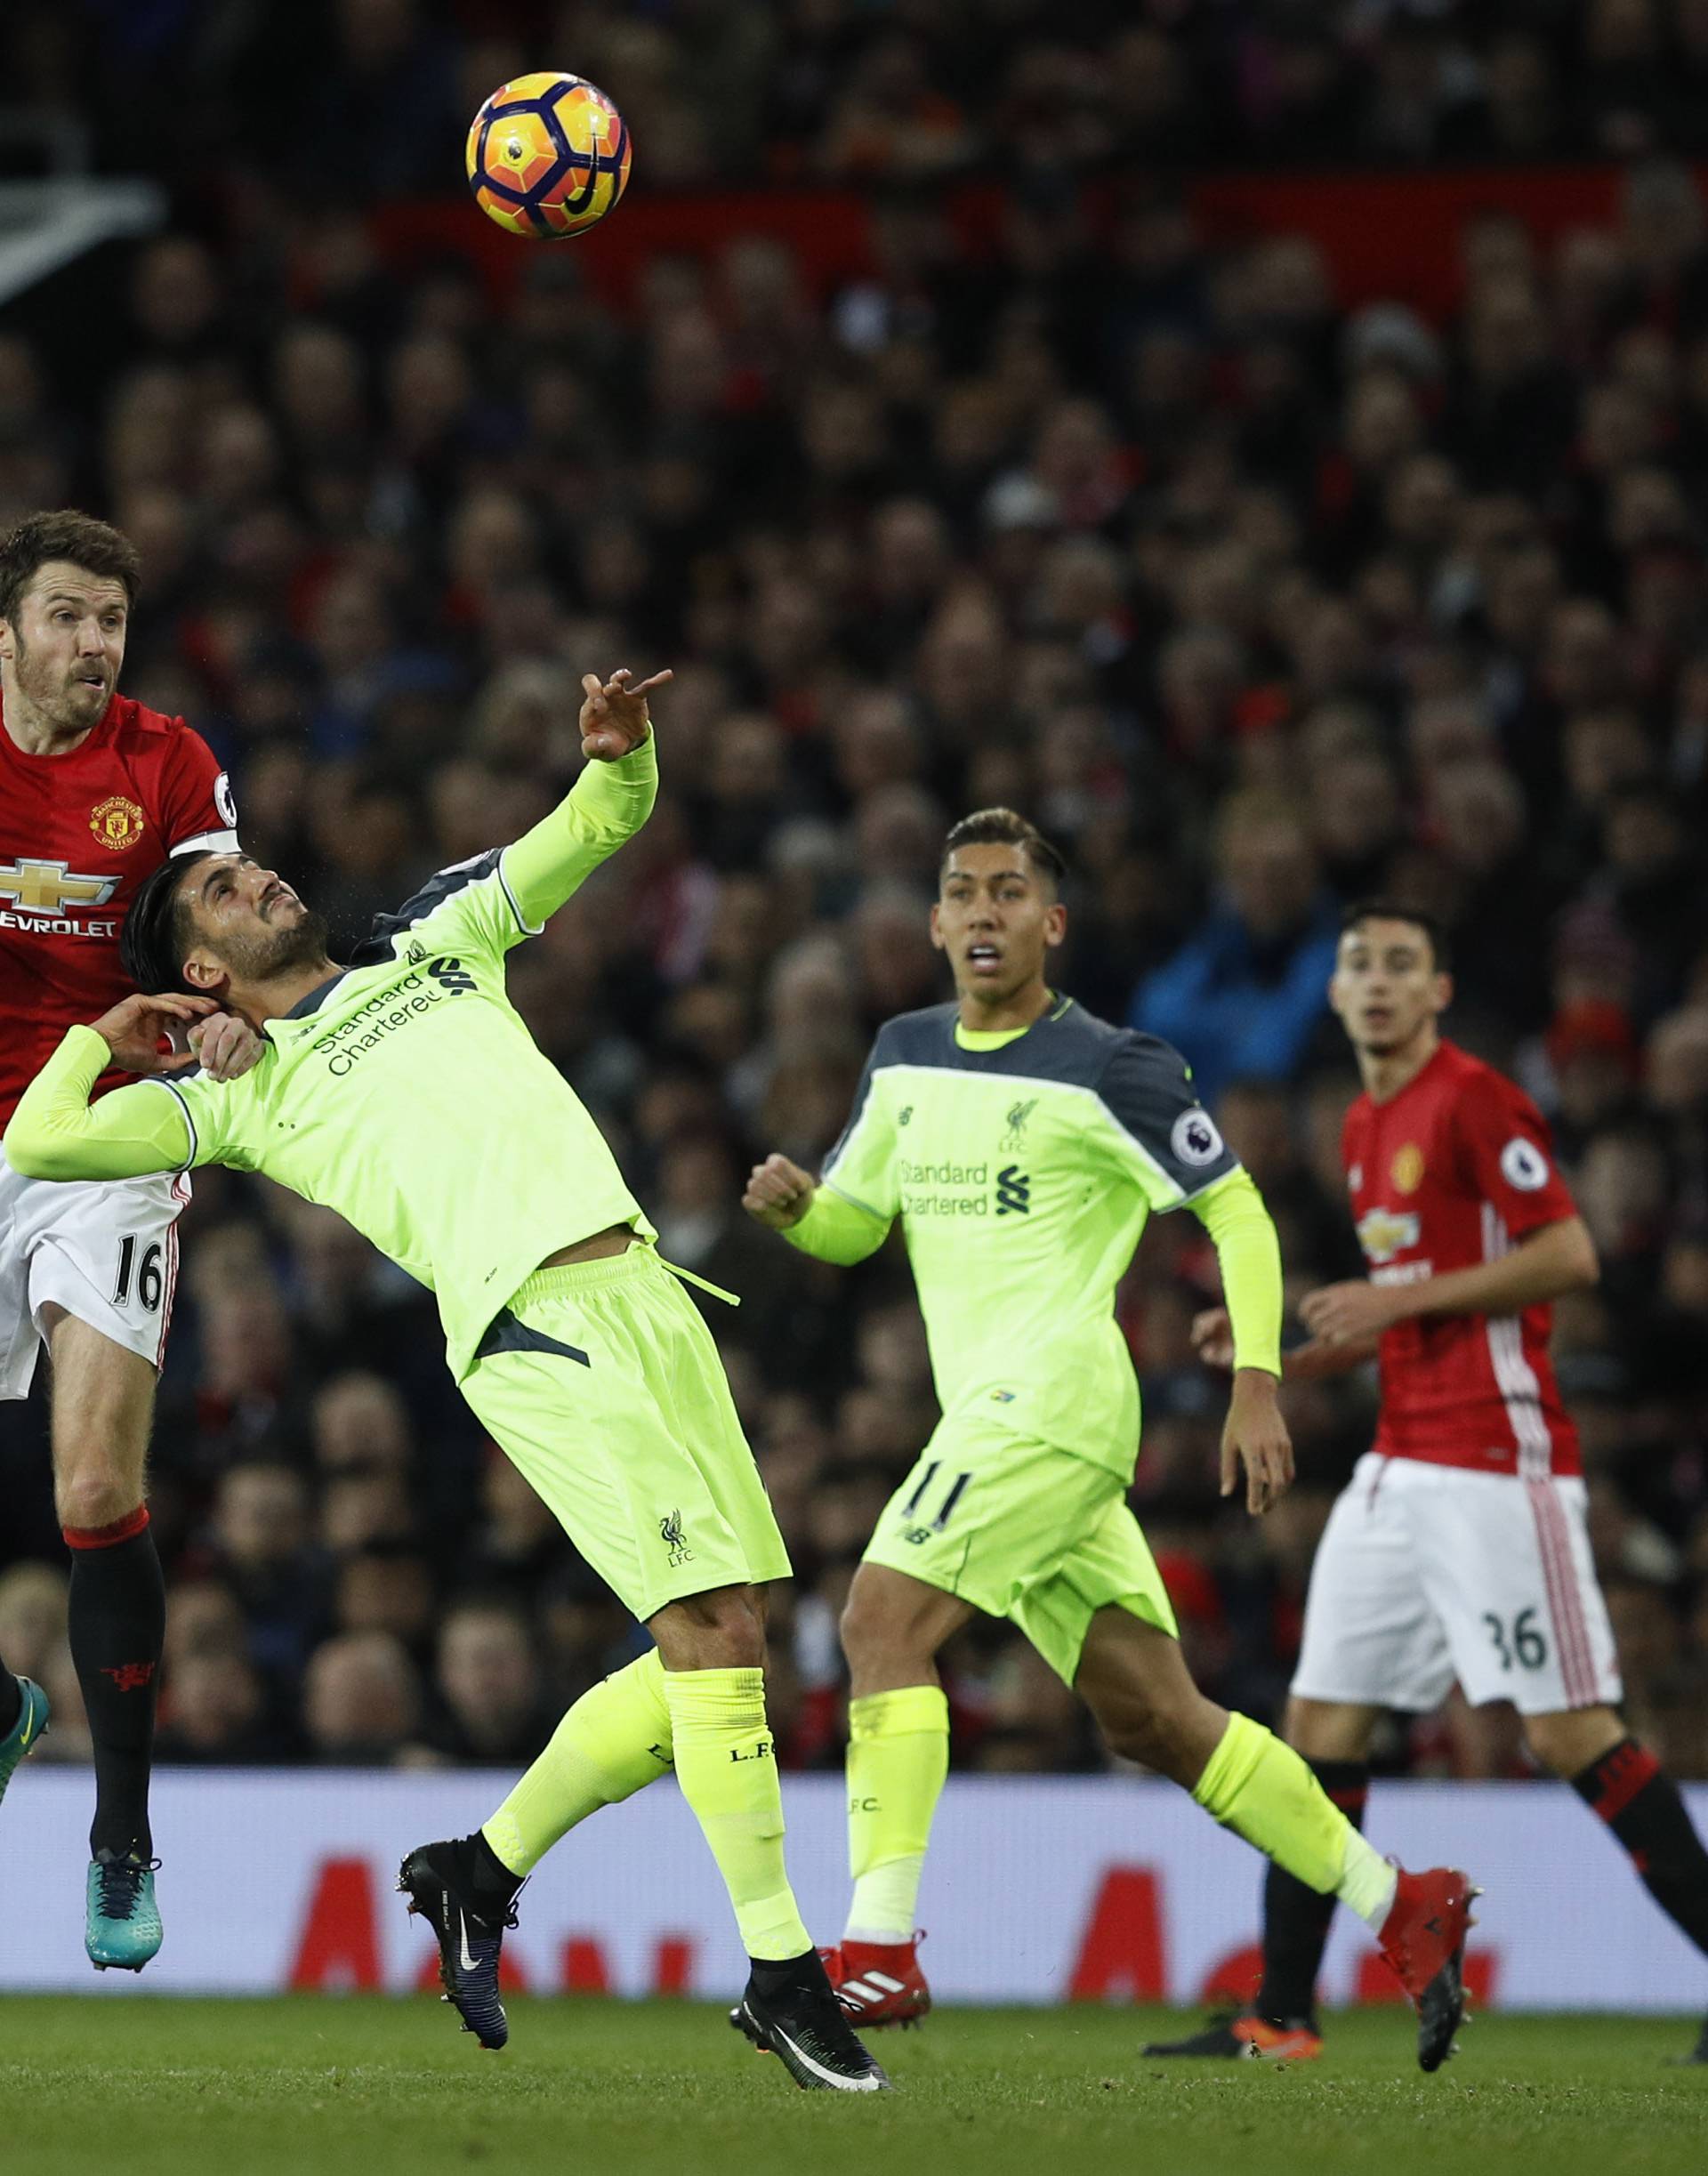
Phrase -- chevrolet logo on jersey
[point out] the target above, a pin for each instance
(1382, 1235)
(49, 887)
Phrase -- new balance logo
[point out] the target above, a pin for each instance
(1013, 1191)
(452, 975)
(129, 1676)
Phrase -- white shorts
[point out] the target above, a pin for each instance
(106, 1251)
(1429, 1573)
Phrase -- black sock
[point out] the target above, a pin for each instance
(1296, 1918)
(1640, 1804)
(118, 1623)
(492, 1885)
(773, 1975)
(11, 1702)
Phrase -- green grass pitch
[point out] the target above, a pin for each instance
(592, 2087)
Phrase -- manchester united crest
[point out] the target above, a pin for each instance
(117, 823)
(1408, 1168)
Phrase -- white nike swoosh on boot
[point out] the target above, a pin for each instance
(868, 2083)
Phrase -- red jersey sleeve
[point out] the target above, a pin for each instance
(196, 805)
(1508, 1154)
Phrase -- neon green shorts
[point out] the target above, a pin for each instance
(602, 1383)
(1024, 1531)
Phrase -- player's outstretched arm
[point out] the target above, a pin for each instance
(608, 804)
(55, 1132)
(815, 1218)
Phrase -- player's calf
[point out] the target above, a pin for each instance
(455, 1888)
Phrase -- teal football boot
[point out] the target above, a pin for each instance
(23, 1735)
(122, 1924)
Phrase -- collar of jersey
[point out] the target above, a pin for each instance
(316, 998)
(999, 1038)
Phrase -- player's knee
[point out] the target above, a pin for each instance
(1156, 1737)
(862, 1629)
(876, 1638)
(721, 1629)
(1567, 1742)
(1326, 1730)
(94, 1495)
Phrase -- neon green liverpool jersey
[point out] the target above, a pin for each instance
(1023, 1174)
(406, 1093)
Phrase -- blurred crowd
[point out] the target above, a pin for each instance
(1254, 605)
(344, 97)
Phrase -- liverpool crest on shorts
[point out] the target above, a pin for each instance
(670, 1532)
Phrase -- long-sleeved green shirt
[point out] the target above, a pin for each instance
(1023, 1166)
(405, 1093)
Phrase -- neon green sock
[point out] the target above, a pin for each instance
(727, 1766)
(897, 1756)
(612, 1742)
(1261, 1790)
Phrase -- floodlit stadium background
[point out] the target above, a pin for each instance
(1268, 445)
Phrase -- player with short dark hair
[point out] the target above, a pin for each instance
(405, 1091)
(96, 793)
(1023, 1145)
(1460, 1549)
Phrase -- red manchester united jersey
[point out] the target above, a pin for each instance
(78, 833)
(1454, 1171)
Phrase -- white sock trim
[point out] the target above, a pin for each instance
(885, 1901)
(1368, 1881)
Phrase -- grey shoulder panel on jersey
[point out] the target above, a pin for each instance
(376, 945)
(1147, 1087)
(1068, 1044)
(921, 1038)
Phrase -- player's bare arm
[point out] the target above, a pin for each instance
(615, 719)
(1557, 1259)
(779, 1193)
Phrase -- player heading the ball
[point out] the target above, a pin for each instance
(404, 1091)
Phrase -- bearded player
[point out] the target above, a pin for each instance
(95, 794)
(405, 1091)
(1023, 1145)
(1459, 1550)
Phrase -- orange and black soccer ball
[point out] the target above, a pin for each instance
(547, 157)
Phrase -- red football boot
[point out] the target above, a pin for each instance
(879, 1983)
(1423, 1939)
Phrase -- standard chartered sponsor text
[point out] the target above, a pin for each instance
(975, 1178)
(369, 1025)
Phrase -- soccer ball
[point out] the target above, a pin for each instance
(548, 156)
